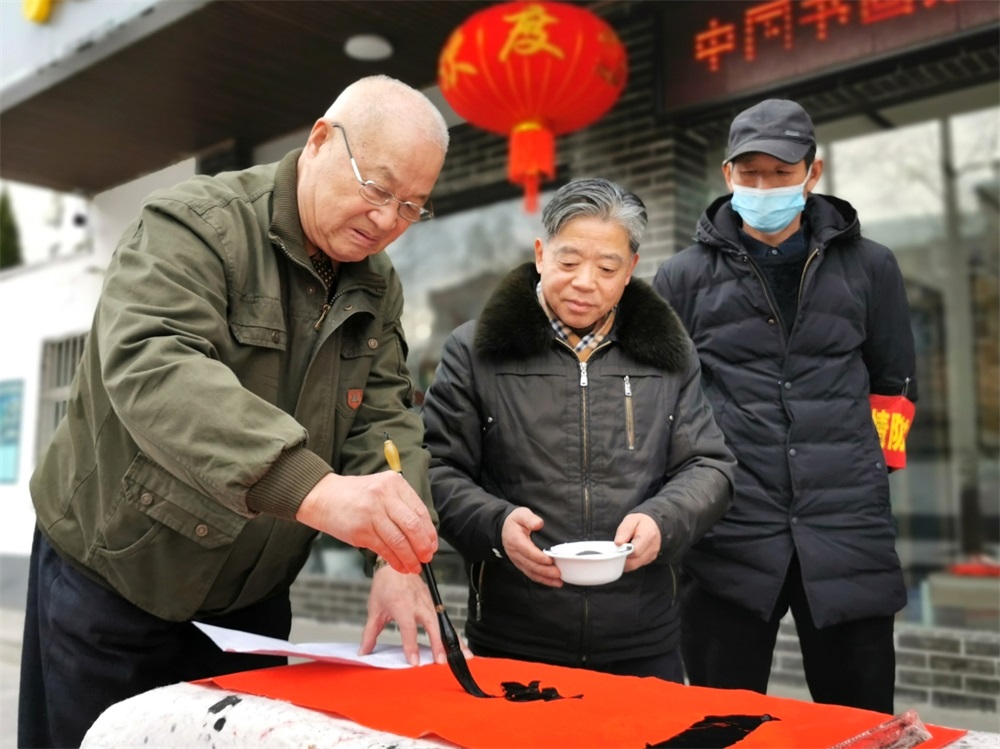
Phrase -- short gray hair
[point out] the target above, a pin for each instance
(598, 198)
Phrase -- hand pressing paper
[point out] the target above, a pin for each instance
(384, 656)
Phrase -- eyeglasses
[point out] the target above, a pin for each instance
(378, 195)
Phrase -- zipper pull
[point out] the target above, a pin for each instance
(583, 374)
(906, 386)
(628, 387)
(322, 316)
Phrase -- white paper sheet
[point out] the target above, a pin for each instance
(384, 656)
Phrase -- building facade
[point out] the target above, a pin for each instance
(906, 101)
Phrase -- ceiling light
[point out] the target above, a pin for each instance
(368, 47)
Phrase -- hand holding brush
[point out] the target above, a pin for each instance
(453, 647)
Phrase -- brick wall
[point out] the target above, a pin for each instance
(346, 601)
(949, 668)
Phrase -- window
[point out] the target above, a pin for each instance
(450, 266)
(60, 360)
(929, 190)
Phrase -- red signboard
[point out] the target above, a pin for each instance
(714, 51)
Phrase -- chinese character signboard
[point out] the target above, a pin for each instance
(714, 51)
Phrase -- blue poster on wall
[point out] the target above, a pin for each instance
(11, 399)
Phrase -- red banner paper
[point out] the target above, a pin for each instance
(613, 711)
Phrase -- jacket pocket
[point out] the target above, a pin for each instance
(163, 543)
(717, 394)
(351, 387)
(258, 327)
(477, 570)
(258, 322)
(630, 412)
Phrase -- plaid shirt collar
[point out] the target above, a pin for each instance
(583, 345)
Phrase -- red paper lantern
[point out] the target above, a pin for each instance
(532, 70)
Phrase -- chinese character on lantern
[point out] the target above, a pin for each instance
(531, 71)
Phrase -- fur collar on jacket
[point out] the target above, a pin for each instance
(514, 326)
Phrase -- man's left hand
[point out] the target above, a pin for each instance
(404, 599)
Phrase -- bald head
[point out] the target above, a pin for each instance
(370, 105)
(380, 138)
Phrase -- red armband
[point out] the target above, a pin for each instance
(892, 415)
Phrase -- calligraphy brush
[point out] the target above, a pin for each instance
(453, 648)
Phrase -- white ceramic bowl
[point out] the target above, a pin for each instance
(590, 562)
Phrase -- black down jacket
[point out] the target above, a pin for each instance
(794, 408)
(511, 422)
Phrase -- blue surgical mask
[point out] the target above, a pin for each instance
(771, 210)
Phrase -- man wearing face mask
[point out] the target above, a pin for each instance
(798, 320)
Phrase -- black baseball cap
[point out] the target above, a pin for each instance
(777, 127)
